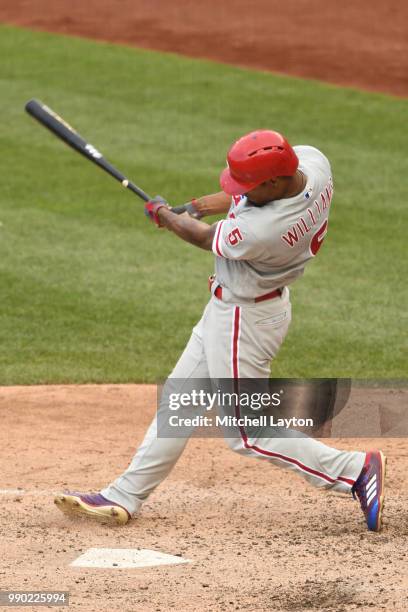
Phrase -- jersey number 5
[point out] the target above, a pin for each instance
(234, 237)
(318, 238)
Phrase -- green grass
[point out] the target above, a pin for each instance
(90, 291)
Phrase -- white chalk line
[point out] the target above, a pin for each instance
(29, 492)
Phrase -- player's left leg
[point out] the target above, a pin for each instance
(156, 455)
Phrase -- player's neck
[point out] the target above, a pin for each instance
(295, 185)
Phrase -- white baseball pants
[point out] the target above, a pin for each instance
(232, 341)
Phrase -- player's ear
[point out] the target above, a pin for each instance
(280, 180)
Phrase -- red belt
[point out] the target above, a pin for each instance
(267, 296)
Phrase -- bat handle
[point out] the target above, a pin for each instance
(142, 194)
(178, 210)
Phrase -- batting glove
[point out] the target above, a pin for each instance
(192, 209)
(152, 208)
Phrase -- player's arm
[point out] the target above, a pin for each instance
(207, 205)
(187, 228)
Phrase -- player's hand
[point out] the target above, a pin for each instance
(194, 209)
(152, 208)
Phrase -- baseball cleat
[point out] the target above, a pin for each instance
(369, 488)
(92, 505)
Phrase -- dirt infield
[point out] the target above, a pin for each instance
(259, 538)
(363, 43)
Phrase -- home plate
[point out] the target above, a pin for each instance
(125, 557)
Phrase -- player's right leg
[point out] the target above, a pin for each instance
(242, 342)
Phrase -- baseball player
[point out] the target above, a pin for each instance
(277, 200)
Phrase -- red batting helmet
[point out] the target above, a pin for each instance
(256, 158)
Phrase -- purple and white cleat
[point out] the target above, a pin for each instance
(93, 506)
(369, 488)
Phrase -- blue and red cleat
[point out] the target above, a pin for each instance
(92, 505)
(369, 488)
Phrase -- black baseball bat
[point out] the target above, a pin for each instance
(58, 126)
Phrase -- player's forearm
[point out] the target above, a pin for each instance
(191, 230)
(213, 204)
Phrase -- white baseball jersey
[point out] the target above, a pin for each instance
(260, 249)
